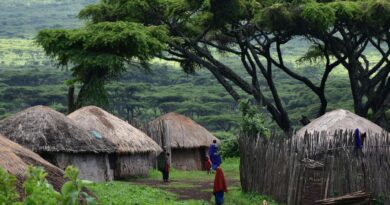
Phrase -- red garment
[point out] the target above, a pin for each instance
(167, 167)
(219, 181)
(207, 164)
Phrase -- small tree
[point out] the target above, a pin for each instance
(253, 121)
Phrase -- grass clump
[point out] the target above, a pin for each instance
(237, 197)
(123, 193)
(230, 166)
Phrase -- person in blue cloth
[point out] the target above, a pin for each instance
(358, 140)
(215, 157)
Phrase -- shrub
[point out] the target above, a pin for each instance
(229, 147)
(8, 194)
(38, 191)
(252, 122)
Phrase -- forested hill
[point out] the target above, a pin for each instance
(24, 18)
(28, 78)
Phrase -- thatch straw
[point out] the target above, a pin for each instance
(42, 129)
(336, 120)
(126, 138)
(178, 131)
(15, 159)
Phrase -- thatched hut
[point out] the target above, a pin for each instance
(340, 119)
(15, 159)
(186, 140)
(60, 140)
(134, 150)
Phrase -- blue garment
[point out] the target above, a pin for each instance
(358, 140)
(219, 197)
(214, 166)
(215, 158)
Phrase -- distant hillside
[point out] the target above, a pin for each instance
(24, 18)
(28, 78)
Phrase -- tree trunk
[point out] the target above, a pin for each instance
(357, 93)
(71, 103)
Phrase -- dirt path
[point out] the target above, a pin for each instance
(185, 189)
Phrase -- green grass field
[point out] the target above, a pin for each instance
(135, 193)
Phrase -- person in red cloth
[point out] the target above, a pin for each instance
(219, 186)
(167, 167)
(207, 165)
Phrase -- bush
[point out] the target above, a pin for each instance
(229, 147)
(39, 191)
(8, 193)
(252, 122)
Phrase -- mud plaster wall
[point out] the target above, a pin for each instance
(94, 167)
(188, 159)
(134, 165)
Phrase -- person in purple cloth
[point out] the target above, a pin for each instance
(215, 157)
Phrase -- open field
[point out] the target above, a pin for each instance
(185, 188)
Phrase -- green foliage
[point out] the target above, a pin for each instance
(230, 147)
(8, 194)
(348, 11)
(319, 15)
(38, 191)
(72, 190)
(378, 14)
(101, 51)
(315, 54)
(275, 17)
(252, 120)
(388, 114)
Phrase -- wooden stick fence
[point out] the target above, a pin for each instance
(301, 170)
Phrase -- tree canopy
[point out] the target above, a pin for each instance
(195, 33)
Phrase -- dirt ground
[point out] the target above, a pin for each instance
(186, 189)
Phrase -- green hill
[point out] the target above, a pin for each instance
(28, 78)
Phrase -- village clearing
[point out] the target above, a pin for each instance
(184, 188)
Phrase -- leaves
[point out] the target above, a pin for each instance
(252, 120)
(8, 194)
(319, 15)
(38, 191)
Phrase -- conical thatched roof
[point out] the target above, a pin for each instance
(43, 129)
(126, 138)
(15, 159)
(337, 120)
(179, 132)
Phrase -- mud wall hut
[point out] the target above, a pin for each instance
(60, 141)
(16, 159)
(134, 150)
(340, 120)
(187, 141)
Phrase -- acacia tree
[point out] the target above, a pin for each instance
(199, 28)
(98, 52)
(348, 31)
(194, 31)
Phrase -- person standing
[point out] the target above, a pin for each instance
(162, 162)
(207, 165)
(215, 157)
(219, 187)
(167, 168)
(358, 140)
